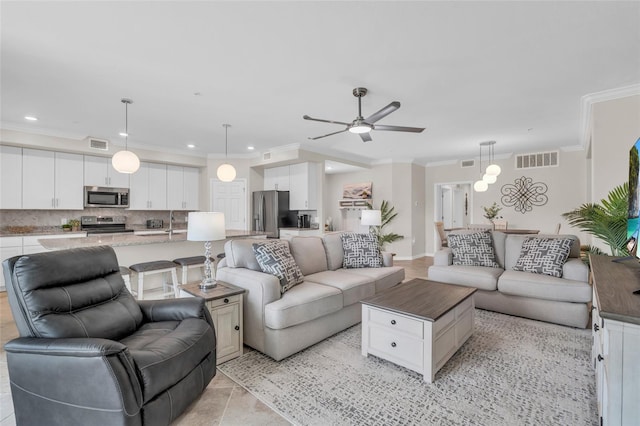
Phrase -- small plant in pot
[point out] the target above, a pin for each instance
(492, 211)
(387, 214)
(66, 227)
(75, 224)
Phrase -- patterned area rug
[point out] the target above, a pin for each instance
(512, 371)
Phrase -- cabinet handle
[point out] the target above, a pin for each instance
(393, 344)
(596, 327)
(237, 327)
(393, 322)
(226, 300)
(600, 358)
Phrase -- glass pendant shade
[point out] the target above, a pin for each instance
(226, 172)
(489, 178)
(493, 169)
(480, 186)
(125, 162)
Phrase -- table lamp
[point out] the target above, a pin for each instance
(207, 227)
(371, 218)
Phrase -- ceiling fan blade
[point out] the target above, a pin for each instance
(398, 128)
(383, 112)
(306, 117)
(328, 134)
(366, 137)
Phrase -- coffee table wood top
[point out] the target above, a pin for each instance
(423, 299)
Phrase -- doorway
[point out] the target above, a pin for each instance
(453, 204)
(231, 199)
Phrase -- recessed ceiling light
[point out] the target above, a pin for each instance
(123, 134)
(329, 168)
(251, 148)
(30, 118)
(191, 145)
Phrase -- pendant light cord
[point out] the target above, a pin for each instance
(126, 126)
(226, 140)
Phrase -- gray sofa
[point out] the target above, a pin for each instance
(542, 297)
(326, 302)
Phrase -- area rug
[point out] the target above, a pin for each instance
(512, 371)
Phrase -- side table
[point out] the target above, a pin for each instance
(224, 302)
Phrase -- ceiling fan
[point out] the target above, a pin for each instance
(363, 126)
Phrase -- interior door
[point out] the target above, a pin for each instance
(231, 199)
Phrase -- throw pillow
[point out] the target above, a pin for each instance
(474, 249)
(275, 258)
(360, 251)
(544, 255)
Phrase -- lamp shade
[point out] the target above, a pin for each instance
(489, 178)
(125, 162)
(206, 226)
(226, 172)
(493, 169)
(371, 218)
(480, 186)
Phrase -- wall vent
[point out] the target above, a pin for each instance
(537, 160)
(467, 163)
(266, 156)
(100, 144)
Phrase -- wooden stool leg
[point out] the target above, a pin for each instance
(174, 277)
(185, 274)
(140, 285)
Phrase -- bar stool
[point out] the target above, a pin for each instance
(157, 267)
(187, 263)
(126, 276)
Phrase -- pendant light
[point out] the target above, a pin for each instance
(481, 185)
(126, 161)
(492, 169)
(226, 172)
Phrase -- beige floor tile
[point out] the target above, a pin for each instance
(246, 409)
(208, 409)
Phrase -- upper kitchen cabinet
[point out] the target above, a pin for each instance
(51, 180)
(98, 171)
(149, 187)
(303, 186)
(183, 188)
(10, 177)
(277, 178)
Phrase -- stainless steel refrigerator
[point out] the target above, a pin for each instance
(271, 212)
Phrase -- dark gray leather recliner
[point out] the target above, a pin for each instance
(90, 354)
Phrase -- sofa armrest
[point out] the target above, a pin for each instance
(75, 376)
(575, 269)
(443, 257)
(387, 258)
(174, 309)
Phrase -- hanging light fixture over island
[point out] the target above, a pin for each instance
(125, 161)
(226, 172)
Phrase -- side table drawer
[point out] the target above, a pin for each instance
(402, 350)
(211, 304)
(397, 322)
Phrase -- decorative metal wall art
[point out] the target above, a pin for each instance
(523, 194)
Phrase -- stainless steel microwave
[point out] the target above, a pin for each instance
(98, 196)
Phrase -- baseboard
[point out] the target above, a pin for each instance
(414, 257)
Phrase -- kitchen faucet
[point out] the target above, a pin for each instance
(171, 218)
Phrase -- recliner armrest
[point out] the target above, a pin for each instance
(78, 347)
(174, 309)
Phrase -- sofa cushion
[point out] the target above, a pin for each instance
(304, 302)
(480, 277)
(546, 287)
(353, 287)
(275, 258)
(543, 255)
(383, 278)
(513, 245)
(474, 249)
(333, 247)
(166, 352)
(361, 251)
(309, 254)
(238, 253)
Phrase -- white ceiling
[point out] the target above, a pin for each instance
(513, 72)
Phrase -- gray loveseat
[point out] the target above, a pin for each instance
(326, 302)
(542, 297)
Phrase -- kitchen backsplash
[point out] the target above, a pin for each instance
(135, 219)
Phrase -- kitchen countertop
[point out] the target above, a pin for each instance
(128, 239)
(295, 228)
(25, 231)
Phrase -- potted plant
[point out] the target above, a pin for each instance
(387, 214)
(75, 224)
(66, 227)
(492, 211)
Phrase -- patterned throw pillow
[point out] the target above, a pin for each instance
(544, 255)
(473, 249)
(360, 251)
(275, 258)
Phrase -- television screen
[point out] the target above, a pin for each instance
(634, 199)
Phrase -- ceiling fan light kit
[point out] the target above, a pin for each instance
(125, 161)
(226, 172)
(363, 126)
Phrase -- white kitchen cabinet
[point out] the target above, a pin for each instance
(303, 186)
(9, 247)
(183, 188)
(98, 171)
(149, 187)
(10, 177)
(288, 233)
(51, 180)
(277, 178)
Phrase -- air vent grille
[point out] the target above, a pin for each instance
(467, 163)
(537, 160)
(101, 144)
(266, 156)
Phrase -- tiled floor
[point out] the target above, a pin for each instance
(229, 403)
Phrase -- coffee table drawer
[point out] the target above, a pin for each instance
(399, 349)
(397, 322)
